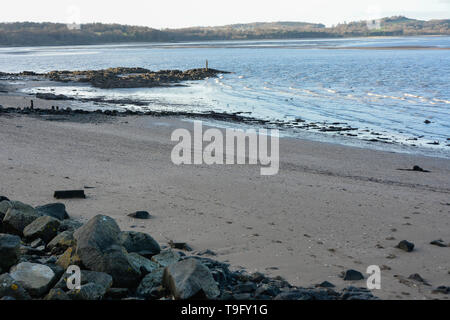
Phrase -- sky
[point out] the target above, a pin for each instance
(185, 13)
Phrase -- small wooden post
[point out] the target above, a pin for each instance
(206, 64)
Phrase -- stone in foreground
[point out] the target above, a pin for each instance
(353, 275)
(12, 288)
(190, 279)
(35, 278)
(18, 216)
(44, 228)
(9, 251)
(55, 210)
(140, 243)
(406, 246)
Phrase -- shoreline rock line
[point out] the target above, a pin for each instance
(37, 245)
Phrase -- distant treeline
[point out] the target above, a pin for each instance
(30, 33)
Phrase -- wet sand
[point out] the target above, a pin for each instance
(330, 208)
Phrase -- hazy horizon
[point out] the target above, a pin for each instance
(180, 14)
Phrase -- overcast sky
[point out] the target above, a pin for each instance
(182, 13)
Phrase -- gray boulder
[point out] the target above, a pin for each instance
(144, 265)
(90, 291)
(99, 250)
(188, 279)
(9, 251)
(61, 242)
(166, 258)
(94, 238)
(12, 288)
(55, 210)
(18, 216)
(57, 295)
(140, 243)
(101, 279)
(44, 228)
(150, 286)
(69, 225)
(35, 278)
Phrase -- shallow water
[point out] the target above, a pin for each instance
(390, 91)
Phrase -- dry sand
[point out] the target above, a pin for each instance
(330, 208)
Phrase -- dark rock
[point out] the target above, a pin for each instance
(35, 278)
(326, 284)
(117, 293)
(9, 251)
(166, 258)
(140, 243)
(442, 289)
(190, 279)
(101, 279)
(267, 290)
(144, 215)
(69, 225)
(406, 246)
(144, 265)
(90, 291)
(44, 227)
(18, 216)
(51, 96)
(2, 198)
(427, 121)
(121, 267)
(242, 296)
(55, 210)
(57, 295)
(180, 246)
(150, 286)
(93, 239)
(418, 278)
(439, 243)
(353, 275)
(37, 243)
(247, 287)
(12, 288)
(62, 242)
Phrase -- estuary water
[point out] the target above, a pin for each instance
(388, 93)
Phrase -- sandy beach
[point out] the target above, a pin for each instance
(330, 208)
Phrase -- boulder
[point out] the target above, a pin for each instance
(44, 228)
(35, 278)
(140, 243)
(62, 242)
(101, 279)
(55, 210)
(90, 291)
(12, 288)
(4, 206)
(144, 265)
(142, 215)
(123, 270)
(94, 238)
(406, 246)
(188, 279)
(69, 225)
(18, 216)
(166, 258)
(353, 275)
(9, 251)
(57, 295)
(3, 198)
(99, 250)
(150, 286)
(68, 258)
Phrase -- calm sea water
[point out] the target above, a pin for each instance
(391, 91)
